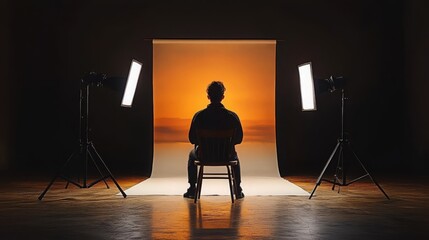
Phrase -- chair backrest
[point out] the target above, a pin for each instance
(215, 146)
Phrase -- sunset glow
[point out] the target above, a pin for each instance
(184, 68)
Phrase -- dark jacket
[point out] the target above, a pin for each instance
(215, 117)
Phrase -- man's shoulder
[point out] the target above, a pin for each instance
(231, 113)
(199, 112)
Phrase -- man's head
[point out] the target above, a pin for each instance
(215, 91)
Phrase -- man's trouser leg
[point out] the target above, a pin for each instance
(237, 172)
(192, 168)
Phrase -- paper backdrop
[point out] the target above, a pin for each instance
(182, 72)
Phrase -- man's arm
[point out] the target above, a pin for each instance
(238, 138)
(193, 131)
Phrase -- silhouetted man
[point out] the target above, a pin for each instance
(214, 117)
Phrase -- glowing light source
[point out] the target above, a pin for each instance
(307, 87)
(132, 80)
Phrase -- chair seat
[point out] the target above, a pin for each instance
(229, 163)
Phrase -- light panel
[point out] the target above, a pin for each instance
(307, 87)
(132, 80)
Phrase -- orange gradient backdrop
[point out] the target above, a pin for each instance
(182, 71)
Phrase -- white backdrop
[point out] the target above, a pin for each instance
(256, 159)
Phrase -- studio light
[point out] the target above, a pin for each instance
(309, 87)
(132, 80)
(86, 151)
(308, 98)
(330, 84)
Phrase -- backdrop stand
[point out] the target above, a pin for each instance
(86, 147)
(340, 171)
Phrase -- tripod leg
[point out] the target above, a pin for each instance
(369, 175)
(47, 188)
(99, 171)
(69, 178)
(57, 175)
(337, 170)
(319, 180)
(107, 169)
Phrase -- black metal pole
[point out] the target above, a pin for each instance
(343, 174)
(342, 114)
(84, 141)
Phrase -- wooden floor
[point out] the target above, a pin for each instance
(359, 211)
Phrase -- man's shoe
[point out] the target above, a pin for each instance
(240, 195)
(190, 193)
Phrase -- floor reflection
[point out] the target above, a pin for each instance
(214, 220)
(213, 217)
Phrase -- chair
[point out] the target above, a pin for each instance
(216, 149)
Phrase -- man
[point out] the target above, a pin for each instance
(215, 116)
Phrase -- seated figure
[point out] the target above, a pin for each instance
(214, 117)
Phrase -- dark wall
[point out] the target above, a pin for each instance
(54, 44)
(58, 41)
(5, 124)
(416, 83)
(35, 77)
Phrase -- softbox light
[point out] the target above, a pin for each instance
(308, 98)
(132, 80)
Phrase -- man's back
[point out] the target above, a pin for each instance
(215, 117)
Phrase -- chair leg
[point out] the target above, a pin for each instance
(230, 184)
(199, 183)
(234, 183)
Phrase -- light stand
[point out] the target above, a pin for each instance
(86, 150)
(340, 172)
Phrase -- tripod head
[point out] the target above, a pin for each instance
(93, 78)
(330, 84)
